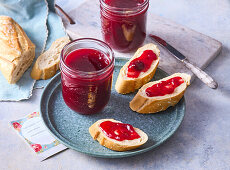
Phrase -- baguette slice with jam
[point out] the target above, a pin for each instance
(133, 74)
(97, 132)
(160, 98)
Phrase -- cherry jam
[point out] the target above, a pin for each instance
(86, 60)
(119, 131)
(123, 23)
(124, 3)
(86, 75)
(164, 87)
(141, 64)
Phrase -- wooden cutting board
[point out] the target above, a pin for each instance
(198, 48)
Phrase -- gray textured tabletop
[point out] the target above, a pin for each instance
(201, 142)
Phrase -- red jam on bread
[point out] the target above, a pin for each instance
(119, 131)
(141, 64)
(164, 87)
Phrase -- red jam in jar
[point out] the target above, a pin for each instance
(87, 60)
(86, 75)
(123, 23)
(164, 87)
(119, 131)
(141, 64)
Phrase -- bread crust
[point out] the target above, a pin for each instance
(16, 50)
(126, 85)
(112, 144)
(42, 69)
(144, 104)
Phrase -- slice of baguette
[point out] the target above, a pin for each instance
(141, 103)
(98, 134)
(47, 64)
(125, 84)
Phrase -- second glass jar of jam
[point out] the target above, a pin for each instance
(123, 23)
(86, 75)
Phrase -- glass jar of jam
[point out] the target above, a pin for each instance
(123, 23)
(86, 75)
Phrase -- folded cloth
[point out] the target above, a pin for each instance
(33, 17)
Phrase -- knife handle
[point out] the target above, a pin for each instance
(201, 74)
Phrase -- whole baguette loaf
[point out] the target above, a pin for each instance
(125, 84)
(141, 103)
(47, 64)
(16, 50)
(98, 134)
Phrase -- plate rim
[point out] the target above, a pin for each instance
(109, 155)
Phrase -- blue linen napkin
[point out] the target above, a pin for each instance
(38, 21)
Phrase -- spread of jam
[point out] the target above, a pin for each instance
(124, 3)
(86, 60)
(164, 87)
(118, 131)
(141, 64)
(122, 31)
(86, 95)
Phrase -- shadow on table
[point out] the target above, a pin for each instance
(220, 68)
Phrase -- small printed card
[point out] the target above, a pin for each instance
(34, 132)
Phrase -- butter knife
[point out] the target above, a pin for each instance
(204, 77)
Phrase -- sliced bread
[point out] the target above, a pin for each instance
(126, 84)
(141, 103)
(97, 134)
(16, 50)
(47, 64)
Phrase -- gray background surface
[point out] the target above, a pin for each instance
(201, 142)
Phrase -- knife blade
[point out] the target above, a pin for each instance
(204, 77)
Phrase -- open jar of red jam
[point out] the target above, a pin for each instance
(123, 23)
(86, 75)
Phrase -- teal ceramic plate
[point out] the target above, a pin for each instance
(71, 128)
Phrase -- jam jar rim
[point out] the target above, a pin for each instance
(125, 11)
(90, 74)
